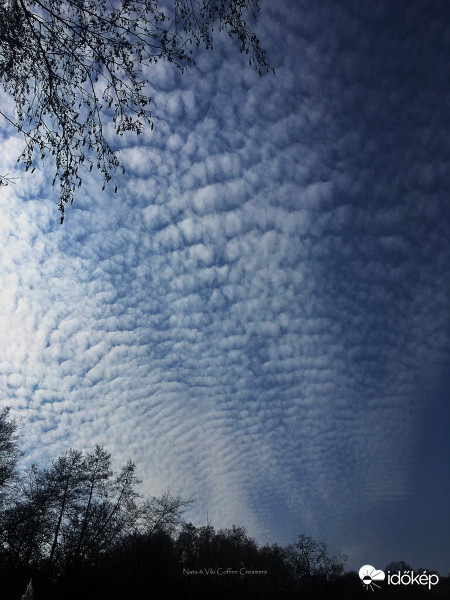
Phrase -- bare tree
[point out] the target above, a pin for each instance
(398, 565)
(9, 450)
(65, 517)
(163, 513)
(65, 479)
(310, 559)
(109, 510)
(69, 64)
(26, 525)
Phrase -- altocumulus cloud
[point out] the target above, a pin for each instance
(259, 317)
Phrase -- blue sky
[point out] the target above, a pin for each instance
(260, 316)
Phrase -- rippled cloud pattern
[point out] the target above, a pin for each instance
(260, 316)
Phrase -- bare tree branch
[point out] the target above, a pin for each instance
(65, 63)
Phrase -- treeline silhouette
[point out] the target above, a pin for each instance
(78, 530)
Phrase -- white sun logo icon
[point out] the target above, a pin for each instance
(369, 575)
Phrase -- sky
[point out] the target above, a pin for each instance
(259, 317)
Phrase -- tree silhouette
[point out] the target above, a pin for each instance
(398, 565)
(26, 524)
(9, 451)
(312, 565)
(79, 529)
(64, 478)
(70, 64)
(63, 521)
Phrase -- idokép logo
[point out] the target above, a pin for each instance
(369, 575)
